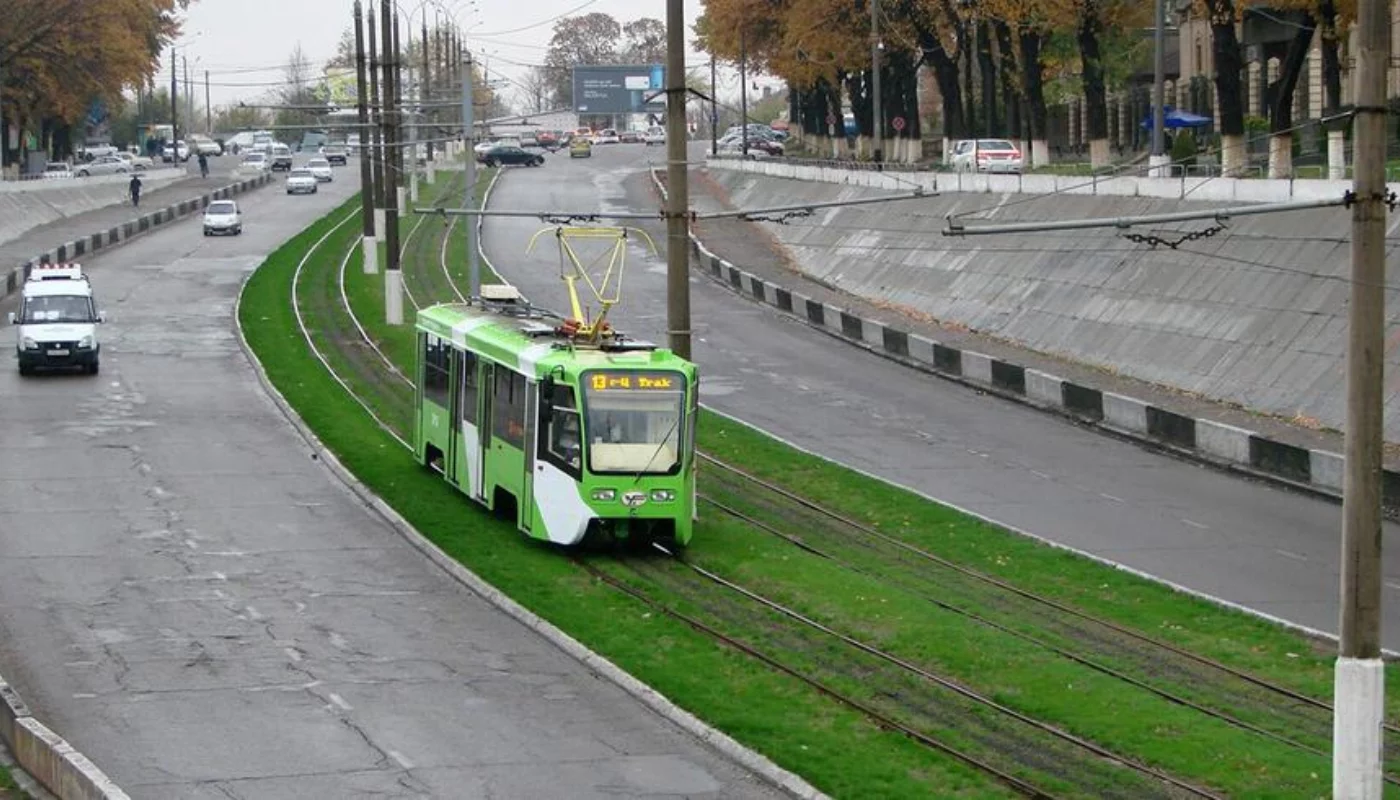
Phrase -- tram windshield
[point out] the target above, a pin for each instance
(633, 421)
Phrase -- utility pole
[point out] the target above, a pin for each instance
(174, 109)
(877, 108)
(399, 153)
(743, 93)
(415, 88)
(425, 86)
(208, 107)
(714, 111)
(1360, 675)
(677, 188)
(369, 244)
(470, 227)
(393, 278)
(1159, 159)
(372, 140)
(189, 95)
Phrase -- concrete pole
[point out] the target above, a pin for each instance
(677, 187)
(372, 140)
(174, 110)
(400, 154)
(208, 107)
(411, 159)
(877, 110)
(393, 277)
(1360, 675)
(368, 241)
(1159, 161)
(743, 94)
(714, 111)
(470, 226)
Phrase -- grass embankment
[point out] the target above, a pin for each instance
(9, 790)
(826, 743)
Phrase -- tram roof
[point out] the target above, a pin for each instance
(529, 344)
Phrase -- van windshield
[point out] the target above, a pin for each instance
(65, 308)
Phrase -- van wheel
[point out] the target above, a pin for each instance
(26, 370)
(94, 368)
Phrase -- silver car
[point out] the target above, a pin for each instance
(301, 181)
(222, 216)
(103, 165)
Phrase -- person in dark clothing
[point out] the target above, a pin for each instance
(203, 166)
(135, 187)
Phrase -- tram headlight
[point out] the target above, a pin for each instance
(663, 495)
(605, 495)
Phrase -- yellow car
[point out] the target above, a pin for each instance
(580, 148)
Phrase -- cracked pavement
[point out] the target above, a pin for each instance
(199, 607)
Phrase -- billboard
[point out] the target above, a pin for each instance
(619, 89)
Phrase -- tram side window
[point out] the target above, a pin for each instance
(508, 407)
(562, 444)
(437, 354)
(469, 380)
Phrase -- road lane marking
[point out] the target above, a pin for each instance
(1195, 524)
(1287, 554)
(1114, 498)
(1040, 474)
(340, 701)
(403, 762)
(292, 653)
(1392, 585)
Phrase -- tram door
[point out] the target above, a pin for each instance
(527, 485)
(483, 427)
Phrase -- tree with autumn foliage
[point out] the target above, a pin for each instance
(58, 57)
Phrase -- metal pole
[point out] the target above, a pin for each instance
(425, 82)
(1360, 676)
(368, 242)
(471, 228)
(677, 188)
(1159, 160)
(743, 93)
(208, 107)
(877, 110)
(174, 109)
(393, 278)
(399, 153)
(714, 111)
(371, 140)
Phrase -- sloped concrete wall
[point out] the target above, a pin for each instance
(1255, 315)
(25, 205)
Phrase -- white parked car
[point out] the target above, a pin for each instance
(654, 135)
(56, 170)
(985, 155)
(301, 181)
(321, 168)
(607, 136)
(222, 216)
(171, 152)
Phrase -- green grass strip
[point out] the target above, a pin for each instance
(835, 748)
(1191, 746)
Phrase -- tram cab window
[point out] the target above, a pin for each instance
(562, 444)
(508, 404)
(437, 355)
(468, 365)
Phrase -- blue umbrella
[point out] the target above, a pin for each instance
(1173, 119)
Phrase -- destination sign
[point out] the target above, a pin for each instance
(635, 381)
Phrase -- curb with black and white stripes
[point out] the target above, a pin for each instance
(117, 234)
(1240, 449)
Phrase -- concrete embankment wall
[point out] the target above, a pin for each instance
(25, 205)
(1254, 315)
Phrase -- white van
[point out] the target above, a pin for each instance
(56, 325)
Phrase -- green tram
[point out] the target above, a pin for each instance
(576, 431)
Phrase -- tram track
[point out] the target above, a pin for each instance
(348, 340)
(1205, 685)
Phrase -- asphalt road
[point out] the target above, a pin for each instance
(205, 612)
(1248, 543)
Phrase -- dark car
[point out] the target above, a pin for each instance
(548, 139)
(509, 154)
(336, 154)
(629, 137)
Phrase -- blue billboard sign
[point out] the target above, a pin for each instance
(619, 89)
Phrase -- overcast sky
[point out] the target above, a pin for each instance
(244, 44)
